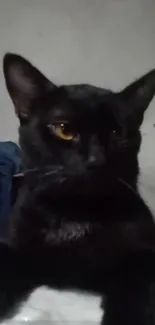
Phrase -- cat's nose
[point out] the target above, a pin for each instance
(96, 156)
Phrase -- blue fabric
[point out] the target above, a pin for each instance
(10, 160)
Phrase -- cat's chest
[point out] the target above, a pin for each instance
(59, 307)
(97, 237)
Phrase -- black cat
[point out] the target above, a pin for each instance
(79, 221)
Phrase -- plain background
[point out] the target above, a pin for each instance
(107, 43)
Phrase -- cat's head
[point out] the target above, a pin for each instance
(91, 132)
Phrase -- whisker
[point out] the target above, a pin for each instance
(128, 186)
(55, 169)
(52, 172)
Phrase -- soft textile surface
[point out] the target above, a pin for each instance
(10, 162)
(58, 308)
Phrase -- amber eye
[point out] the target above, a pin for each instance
(62, 131)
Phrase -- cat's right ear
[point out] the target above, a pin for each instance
(24, 82)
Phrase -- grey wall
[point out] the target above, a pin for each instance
(105, 42)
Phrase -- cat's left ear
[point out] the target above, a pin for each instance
(138, 96)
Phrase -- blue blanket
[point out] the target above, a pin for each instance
(10, 162)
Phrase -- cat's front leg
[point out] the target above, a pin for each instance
(15, 281)
(130, 304)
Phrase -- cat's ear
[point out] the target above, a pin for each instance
(24, 83)
(138, 95)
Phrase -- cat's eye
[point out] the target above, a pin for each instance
(62, 131)
(116, 132)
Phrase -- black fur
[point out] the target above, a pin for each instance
(79, 221)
